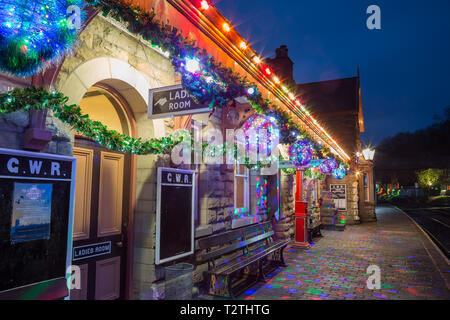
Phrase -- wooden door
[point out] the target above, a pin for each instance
(101, 219)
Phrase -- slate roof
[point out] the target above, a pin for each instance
(337, 106)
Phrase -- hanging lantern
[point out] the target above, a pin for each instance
(339, 173)
(34, 33)
(254, 131)
(301, 153)
(328, 166)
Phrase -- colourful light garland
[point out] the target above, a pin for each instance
(301, 153)
(339, 173)
(205, 79)
(35, 33)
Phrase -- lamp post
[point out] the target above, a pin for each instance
(369, 154)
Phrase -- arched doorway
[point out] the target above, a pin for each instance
(130, 88)
(102, 200)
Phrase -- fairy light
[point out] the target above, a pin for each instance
(205, 5)
(192, 65)
(226, 27)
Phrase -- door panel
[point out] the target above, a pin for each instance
(81, 294)
(100, 228)
(110, 194)
(81, 227)
(107, 282)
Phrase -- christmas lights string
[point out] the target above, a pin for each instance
(34, 34)
(207, 81)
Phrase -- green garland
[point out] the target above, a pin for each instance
(227, 84)
(41, 99)
(314, 174)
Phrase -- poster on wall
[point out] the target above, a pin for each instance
(31, 214)
(174, 214)
(37, 192)
(340, 196)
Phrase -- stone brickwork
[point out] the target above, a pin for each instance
(351, 215)
(285, 228)
(13, 126)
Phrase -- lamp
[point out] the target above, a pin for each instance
(368, 154)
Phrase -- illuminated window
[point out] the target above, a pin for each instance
(241, 189)
(366, 188)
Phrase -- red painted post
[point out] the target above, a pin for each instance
(301, 231)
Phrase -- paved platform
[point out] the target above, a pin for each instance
(335, 267)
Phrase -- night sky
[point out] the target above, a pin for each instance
(404, 66)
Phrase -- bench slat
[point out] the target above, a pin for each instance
(226, 237)
(235, 246)
(239, 262)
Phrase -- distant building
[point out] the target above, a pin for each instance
(337, 104)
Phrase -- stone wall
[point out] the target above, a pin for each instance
(13, 126)
(351, 181)
(285, 228)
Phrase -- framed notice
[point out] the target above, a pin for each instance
(339, 192)
(31, 214)
(36, 222)
(174, 214)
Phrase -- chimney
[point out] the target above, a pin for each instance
(282, 65)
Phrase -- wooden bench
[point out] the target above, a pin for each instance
(314, 230)
(252, 247)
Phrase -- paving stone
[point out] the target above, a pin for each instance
(335, 267)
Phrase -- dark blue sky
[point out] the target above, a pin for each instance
(404, 66)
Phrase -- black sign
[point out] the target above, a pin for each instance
(36, 215)
(34, 167)
(175, 214)
(91, 250)
(173, 101)
(173, 177)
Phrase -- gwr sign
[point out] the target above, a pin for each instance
(172, 101)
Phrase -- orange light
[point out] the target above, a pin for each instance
(205, 5)
(256, 59)
(291, 96)
(226, 27)
(277, 80)
(243, 45)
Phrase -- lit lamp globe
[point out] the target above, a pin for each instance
(368, 154)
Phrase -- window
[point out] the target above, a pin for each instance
(196, 129)
(241, 189)
(366, 188)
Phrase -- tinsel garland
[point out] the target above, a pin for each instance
(314, 174)
(226, 84)
(41, 99)
(221, 91)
